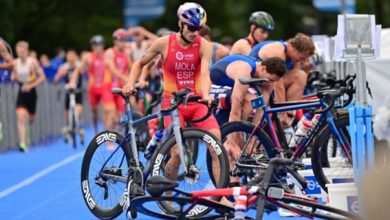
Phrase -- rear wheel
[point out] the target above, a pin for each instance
(260, 142)
(104, 174)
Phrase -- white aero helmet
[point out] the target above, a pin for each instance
(192, 14)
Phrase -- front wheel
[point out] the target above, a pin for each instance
(104, 174)
(197, 144)
(330, 158)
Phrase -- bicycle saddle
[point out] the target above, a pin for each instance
(252, 82)
(157, 185)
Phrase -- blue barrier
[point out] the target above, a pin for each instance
(361, 139)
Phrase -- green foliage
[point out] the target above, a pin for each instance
(47, 24)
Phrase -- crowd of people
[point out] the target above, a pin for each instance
(186, 58)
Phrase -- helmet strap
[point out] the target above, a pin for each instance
(182, 35)
(253, 36)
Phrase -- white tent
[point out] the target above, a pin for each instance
(378, 76)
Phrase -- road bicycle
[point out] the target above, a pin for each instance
(329, 133)
(113, 173)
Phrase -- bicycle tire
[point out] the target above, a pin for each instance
(140, 205)
(89, 198)
(289, 200)
(247, 128)
(188, 134)
(319, 146)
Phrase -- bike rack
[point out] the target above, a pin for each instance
(357, 32)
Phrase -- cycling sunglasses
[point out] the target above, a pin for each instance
(193, 28)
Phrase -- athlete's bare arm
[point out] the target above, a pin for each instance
(205, 57)
(234, 71)
(157, 47)
(222, 51)
(60, 73)
(85, 62)
(109, 58)
(40, 74)
(241, 47)
(275, 49)
(146, 70)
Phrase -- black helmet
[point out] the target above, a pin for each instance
(97, 39)
(262, 19)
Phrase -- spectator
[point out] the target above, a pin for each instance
(47, 68)
(59, 59)
(6, 62)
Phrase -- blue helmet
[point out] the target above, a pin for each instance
(192, 14)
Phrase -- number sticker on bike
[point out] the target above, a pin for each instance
(105, 137)
(258, 102)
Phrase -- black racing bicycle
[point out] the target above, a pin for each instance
(113, 174)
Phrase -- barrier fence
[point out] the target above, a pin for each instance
(49, 118)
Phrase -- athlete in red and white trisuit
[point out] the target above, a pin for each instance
(99, 82)
(118, 61)
(186, 58)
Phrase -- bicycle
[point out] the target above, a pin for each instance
(120, 176)
(73, 127)
(261, 189)
(330, 125)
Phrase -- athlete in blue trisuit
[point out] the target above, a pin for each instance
(294, 52)
(235, 97)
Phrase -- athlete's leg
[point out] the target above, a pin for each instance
(22, 118)
(195, 111)
(94, 98)
(108, 108)
(294, 83)
(94, 110)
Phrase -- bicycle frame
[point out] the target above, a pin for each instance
(325, 117)
(130, 138)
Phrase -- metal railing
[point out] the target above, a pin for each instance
(49, 118)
